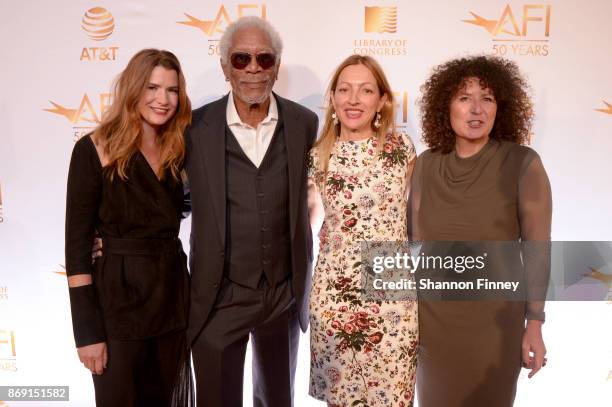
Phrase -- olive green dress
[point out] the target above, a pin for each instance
(470, 351)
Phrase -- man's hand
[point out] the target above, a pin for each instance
(96, 249)
(94, 357)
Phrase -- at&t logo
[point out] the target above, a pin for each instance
(86, 116)
(98, 24)
(520, 31)
(215, 27)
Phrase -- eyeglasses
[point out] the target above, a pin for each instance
(241, 60)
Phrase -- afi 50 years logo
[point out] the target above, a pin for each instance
(519, 30)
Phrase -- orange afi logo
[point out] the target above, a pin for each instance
(61, 271)
(217, 26)
(85, 113)
(607, 109)
(508, 23)
(7, 345)
(401, 103)
(8, 351)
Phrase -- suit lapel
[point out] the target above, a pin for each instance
(295, 142)
(159, 191)
(211, 147)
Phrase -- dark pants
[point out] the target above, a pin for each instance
(140, 373)
(269, 316)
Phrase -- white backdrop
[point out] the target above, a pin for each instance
(55, 83)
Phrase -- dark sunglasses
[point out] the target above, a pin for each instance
(241, 60)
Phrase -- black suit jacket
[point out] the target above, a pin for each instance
(205, 165)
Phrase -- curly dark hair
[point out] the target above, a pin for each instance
(514, 108)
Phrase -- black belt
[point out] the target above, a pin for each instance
(140, 247)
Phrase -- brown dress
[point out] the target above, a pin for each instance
(470, 351)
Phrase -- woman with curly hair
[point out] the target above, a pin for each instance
(129, 308)
(363, 353)
(478, 182)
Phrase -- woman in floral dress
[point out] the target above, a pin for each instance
(363, 353)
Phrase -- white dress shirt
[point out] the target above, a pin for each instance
(253, 141)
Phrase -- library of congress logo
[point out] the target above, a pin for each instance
(381, 19)
(86, 116)
(98, 24)
(524, 31)
(378, 23)
(215, 27)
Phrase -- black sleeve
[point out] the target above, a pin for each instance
(82, 202)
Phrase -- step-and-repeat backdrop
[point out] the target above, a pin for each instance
(56, 76)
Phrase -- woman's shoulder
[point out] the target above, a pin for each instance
(85, 144)
(404, 140)
(400, 138)
(522, 152)
(429, 154)
(86, 151)
(84, 147)
(314, 152)
(313, 160)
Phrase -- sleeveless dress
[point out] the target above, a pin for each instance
(363, 353)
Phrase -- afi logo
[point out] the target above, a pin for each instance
(61, 270)
(7, 344)
(217, 26)
(607, 109)
(85, 113)
(509, 24)
(401, 104)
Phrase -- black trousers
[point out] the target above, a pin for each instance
(140, 373)
(267, 315)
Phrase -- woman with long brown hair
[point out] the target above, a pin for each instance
(129, 308)
(363, 352)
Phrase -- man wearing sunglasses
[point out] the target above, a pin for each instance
(251, 243)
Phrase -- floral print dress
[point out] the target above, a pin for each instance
(363, 353)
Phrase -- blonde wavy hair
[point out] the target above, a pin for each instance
(331, 131)
(120, 132)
